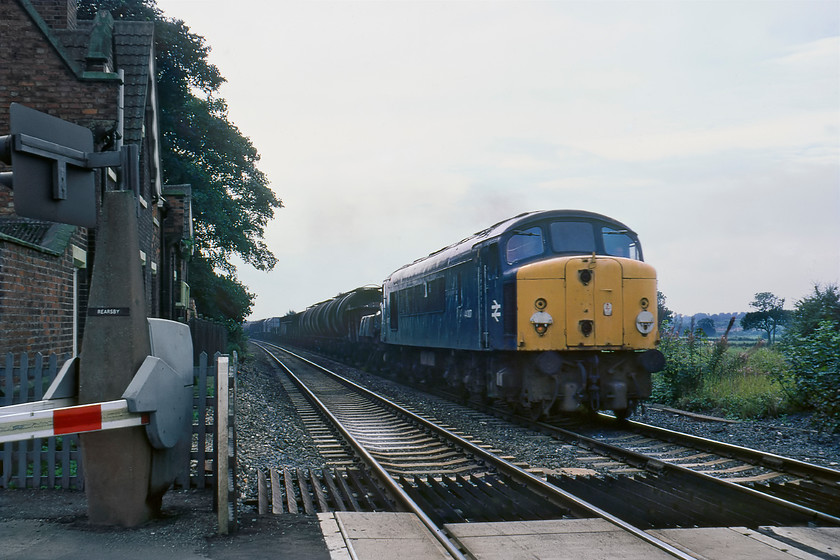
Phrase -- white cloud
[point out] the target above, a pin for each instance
(820, 54)
(784, 132)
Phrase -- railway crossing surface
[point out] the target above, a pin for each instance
(380, 536)
(38, 525)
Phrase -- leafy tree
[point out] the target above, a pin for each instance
(232, 202)
(768, 317)
(664, 315)
(707, 325)
(219, 296)
(222, 298)
(809, 312)
(812, 346)
(815, 361)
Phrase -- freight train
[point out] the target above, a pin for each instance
(549, 311)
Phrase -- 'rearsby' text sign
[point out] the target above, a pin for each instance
(109, 311)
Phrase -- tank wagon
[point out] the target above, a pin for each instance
(548, 311)
(262, 327)
(335, 324)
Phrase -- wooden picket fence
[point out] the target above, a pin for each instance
(56, 462)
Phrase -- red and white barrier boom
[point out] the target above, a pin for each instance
(42, 420)
(158, 397)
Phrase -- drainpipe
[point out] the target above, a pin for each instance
(120, 111)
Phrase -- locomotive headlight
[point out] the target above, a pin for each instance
(541, 321)
(645, 322)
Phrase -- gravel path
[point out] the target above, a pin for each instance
(270, 434)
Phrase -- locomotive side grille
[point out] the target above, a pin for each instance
(509, 307)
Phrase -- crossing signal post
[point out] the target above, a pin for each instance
(117, 463)
(127, 471)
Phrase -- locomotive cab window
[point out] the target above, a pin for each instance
(618, 243)
(524, 244)
(576, 238)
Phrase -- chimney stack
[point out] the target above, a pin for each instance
(57, 14)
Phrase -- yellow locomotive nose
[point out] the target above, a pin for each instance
(586, 303)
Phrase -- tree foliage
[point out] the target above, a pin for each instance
(232, 202)
(707, 325)
(768, 316)
(812, 346)
(664, 315)
(809, 312)
(815, 360)
(220, 296)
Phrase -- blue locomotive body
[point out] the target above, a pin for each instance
(464, 296)
(547, 311)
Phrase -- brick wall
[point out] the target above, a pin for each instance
(33, 73)
(36, 298)
(37, 286)
(6, 204)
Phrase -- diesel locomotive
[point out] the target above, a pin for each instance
(549, 311)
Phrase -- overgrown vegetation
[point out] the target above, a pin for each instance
(812, 346)
(712, 376)
(802, 373)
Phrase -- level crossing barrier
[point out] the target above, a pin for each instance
(47, 418)
(54, 461)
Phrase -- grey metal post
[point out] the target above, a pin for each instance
(118, 464)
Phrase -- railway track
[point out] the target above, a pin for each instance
(629, 448)
(408, 463)
(761, 486)
(811, 490)
(476, 483)
(732, 462)
(809, 485)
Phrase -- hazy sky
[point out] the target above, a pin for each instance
(391, 129)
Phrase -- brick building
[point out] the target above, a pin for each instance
(99, 74)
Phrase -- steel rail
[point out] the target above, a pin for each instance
(766, 460)
(657, 465)
(506, 467)
(380, 471)
(787, 465)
